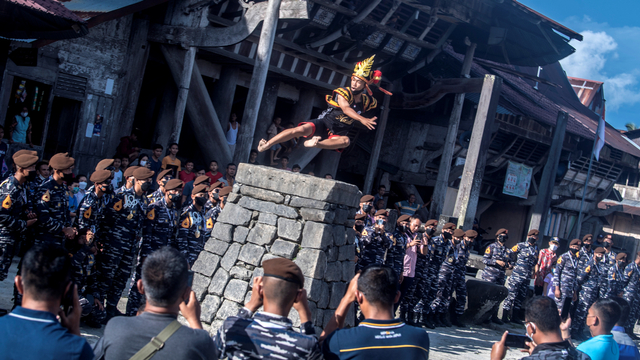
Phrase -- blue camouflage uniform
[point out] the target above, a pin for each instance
(123, 219)
(83, 263)
(91, 212)
(631, 293)
(518, 284)
(445, 279)
(395, 255)
(493, 272)
(459, 282)
(52, 209)
(191, 233)
(566, 277)
(588, 280)
(155, 196)
(13, 220)
(211, 217)
(158, 229)
(373, 247)
(429, 282)
(410, 299)
(608, 261)
(584, 258)
(616, 281)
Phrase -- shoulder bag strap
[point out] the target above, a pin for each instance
(157, 342)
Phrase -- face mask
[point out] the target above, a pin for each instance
(446, 235)
(402, 228)
(174, 197)
(456, 241)
(201, 200)
(143, 163)
(359, 228)
(598, 259)
(621, 264)
(24, 114)
(76, 190)
(531, 240)
(145, 186)
(587, 247)
(68, 178)
(31, 176)
(82, 185)
(468, 242)
(574, 251)
(381, 222)
(502, 239)
(367, 208)
(607, 245)
(431, 231)
(553, 247)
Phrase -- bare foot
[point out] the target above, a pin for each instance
(263, 145)
(312, 142)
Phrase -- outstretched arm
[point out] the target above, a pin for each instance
(347, 110)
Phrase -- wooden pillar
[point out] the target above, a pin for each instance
(377, 142)
(265, 117)
(162, 132)
(302, 111)
(183, 93)
(442, 182)
(224, 92)
(469, 191)
(543, 200)
(258, 79)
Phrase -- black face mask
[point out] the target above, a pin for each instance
(468, 242)
(359, 228)
(502, 238)
(431, 231)
(32, 176)
(531, 240)
(456, 241)
(587, 247)
(174, 198)
(68, 178)
(447, 235)
(145, 186)
(201, 200)
(402, 228)
(574, 251)
(607, 245)
(367, 208)
(621, 264)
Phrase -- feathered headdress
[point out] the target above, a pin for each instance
(363, 72)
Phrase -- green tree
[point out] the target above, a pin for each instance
(631, 126)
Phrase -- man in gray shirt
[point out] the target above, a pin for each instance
(165, 284)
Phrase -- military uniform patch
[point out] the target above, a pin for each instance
(87, 213)
(209, 223)
(152, 214)
(118, 206)
(487, 251)
(186, 223)
(6, 204)
(46, 196)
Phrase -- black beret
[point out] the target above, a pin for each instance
(103, 164)
(100, 176)
(25, 160)
(533, 232)
(283, 269)
(129, 171)
(61, 161)
(173, 184)
(366, 198)
(142, 173)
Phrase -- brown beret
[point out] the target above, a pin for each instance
(24, 152)
(283, 269)
(449, 226)
(621, 256)
(471, 234)
(142, 173)
(200, 188)
(61, 161)
(587, 237)
(164, 173)
(174, 184)
(599, 250)
(382, 212)
(575, 242)
(103, 164)
(458, 233)
(431, 222)
(201, 180)
(361, 216)
(129, 171)
(366, 198)
(404, 218)
(100, 176)
(216, 185)
(533, 232)
(225, 191)
(502, 231)
(25, 160)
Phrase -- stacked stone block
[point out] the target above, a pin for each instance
(276, 213)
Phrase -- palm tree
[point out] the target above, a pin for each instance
(631, 126)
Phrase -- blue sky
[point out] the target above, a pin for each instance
(609, 52)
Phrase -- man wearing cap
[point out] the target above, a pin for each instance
(366, 207)
(191, 232)
(123, 218)
(129, 180)
(546, 261)
(588, 282)
(459, 282)
(158, 229)
(616, 276)
(217, 200)
(13, 214)
(631, 293)
(358, 227)
(586, 252)
(565, 278)
(52, 206)
(375, 242)
(526, 259)
(93, 205)
(496, 260)
(187, 190)
(162, 179)
(608, 261)
(395, 255)
(440, 305)
(435, 251)
(269, 334)
(105, 164)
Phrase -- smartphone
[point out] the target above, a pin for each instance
(380, 222)
(517, 341)
(190, 278)
(566, 308)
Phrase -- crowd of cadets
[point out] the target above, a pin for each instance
(114, 230)
(431, 267)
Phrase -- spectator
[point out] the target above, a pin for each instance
(124, 164)
(155, 162)
(296, 168)
(602, 317)
(21, 128)
(188, 187)
(82, 188)
(3, 152)
(213, 173)
(230, 177)
(73, 188)
(550, 336)
(32, 331)
(165, 282)
(271, 132)
(380, 205)
(376, 290)
(380, 196)
(284, 162)
(548, 289)
(407, 207)
(257, 336)
(143, 161)
(117, 173)
(171, 162)
(232, 133)
(328, 176)
(311, 173)
(128, 147)
(253, 157)
(187, 174)
(546, 260)
(627, 348)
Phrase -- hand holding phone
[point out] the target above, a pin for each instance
(517, 341)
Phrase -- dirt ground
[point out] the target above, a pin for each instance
(473, 342)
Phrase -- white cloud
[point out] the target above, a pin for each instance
(589, 62)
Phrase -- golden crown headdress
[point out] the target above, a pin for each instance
(363, 71)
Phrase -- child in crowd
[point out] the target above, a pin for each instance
(187, 174)
(171, 161)
(117, 173)
(213, 172)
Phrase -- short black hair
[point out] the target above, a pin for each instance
(213, 161)
(284, 157)
(382, 187)
(543, 311)
(189, 161)
(608, 312)
(157, 146)
(379, 284)
(170, 145)
(296, 166)
(624, 309)
(164, 275)
(231, 164)
(253, 151)
(46, 272)
(40, 163)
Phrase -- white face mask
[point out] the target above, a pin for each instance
(143, 163)
(24, 114)
(553, 247)
(82, 185)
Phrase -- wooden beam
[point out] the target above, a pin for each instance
(438, 90)
(377, 142)
(183, 93)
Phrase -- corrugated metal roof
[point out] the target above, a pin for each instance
(631, 207)
(590, 94)
(97, 6)
(51, 7)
